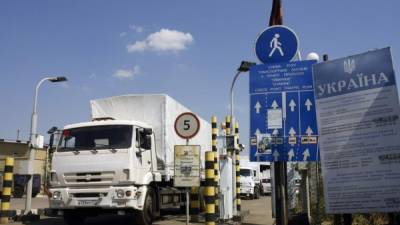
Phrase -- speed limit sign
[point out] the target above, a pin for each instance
(187, 125)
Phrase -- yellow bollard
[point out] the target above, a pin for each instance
(228, 125)
(6, 194)
(194, 204)
(214, 143)
(228, 131)
(238, 200)
(209, 190)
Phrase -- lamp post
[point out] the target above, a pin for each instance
(33, 142)
(244, 67)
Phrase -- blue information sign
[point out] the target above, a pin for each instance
(283, 123)
(276, 44)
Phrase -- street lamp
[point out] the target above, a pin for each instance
(244, 67)
(33, 141)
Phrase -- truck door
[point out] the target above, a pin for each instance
(143, 145)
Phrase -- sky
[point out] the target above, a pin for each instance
(189, 50)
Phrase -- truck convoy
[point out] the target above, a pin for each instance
(122, 161)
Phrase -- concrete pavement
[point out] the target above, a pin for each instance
(259, 214)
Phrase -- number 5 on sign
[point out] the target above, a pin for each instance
(187, 125)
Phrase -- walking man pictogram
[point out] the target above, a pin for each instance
(275, 44)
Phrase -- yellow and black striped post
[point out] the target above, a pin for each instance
(194, 204)
(216, 166)
(228, 130)
(209, 190)
(238, 200)
(6, 194)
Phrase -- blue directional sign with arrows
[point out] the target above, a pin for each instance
(282, 112)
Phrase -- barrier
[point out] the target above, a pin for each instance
(209, 190)
(6, 194)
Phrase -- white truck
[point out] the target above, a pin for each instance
(122, 161)
(250, 184)
(266, 182)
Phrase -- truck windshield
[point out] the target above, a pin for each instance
(96, 137)
(245, 172)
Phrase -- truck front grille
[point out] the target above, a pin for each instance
(89, 195)
(105, 177)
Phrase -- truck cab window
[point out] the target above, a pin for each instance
(96, 137)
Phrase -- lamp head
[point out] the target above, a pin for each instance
(245, 66)
(58, 79)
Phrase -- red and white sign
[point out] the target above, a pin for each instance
(187, 125)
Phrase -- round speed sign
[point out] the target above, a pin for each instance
(187, 125)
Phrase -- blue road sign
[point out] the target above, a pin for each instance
(276, 44)
(283, 123)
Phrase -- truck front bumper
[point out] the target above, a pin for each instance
(107, 198)
(246, 191)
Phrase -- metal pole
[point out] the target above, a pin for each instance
(187, 198)
(31, 159)
(187, 206)
(235, 212)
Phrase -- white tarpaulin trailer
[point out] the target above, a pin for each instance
(159, 111)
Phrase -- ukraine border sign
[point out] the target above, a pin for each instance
(358, 118)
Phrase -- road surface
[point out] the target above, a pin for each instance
(259, 213)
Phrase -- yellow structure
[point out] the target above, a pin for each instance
(19, 151)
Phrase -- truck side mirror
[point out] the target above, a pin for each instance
(52, 131)
(146, 143)
(51, 141)
(147, 131)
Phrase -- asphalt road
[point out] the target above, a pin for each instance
(258, 212)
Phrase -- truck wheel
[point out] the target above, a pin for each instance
(146, 216)
(256, 193)
(72, 217)
(18, 192)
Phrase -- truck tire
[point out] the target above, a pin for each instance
(73, 217)
(146, 216)
(256, 193)
(18, 192)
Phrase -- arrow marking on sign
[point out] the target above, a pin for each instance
(292, 104)
(292, 132)
(274, 105)
(306, 154)
(291, 154)
(257, 133)
(308, 104)
(276, 155)
(257, 107)
(309, 131)
(275, 132)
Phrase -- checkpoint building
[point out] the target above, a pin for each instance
(19, 150)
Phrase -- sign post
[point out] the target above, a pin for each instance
(282, 119)
(187, 157)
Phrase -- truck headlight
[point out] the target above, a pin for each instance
(120, 193)
(56, 195)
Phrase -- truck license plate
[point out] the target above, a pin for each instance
(87, 202)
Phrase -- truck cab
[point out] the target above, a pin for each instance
(104, 164)
(249, 183)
